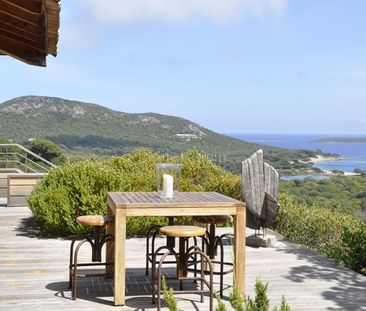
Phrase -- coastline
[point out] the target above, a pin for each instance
(328, 172)
(320, 158)
(337, 157)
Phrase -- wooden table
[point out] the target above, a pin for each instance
(125, 204)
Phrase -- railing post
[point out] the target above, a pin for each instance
(26, 162)
(6, 157)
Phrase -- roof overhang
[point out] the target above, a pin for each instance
(29, 29)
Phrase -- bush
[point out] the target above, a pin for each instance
(320, 229)
(70, 191)
(81, 188)
(353, 251)
(260, 302)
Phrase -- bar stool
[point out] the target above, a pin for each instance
(185, 257)
(151, 235)
(97, 238)
(214, 241)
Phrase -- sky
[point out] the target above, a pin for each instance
(233, 66)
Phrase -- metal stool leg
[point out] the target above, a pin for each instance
(169, 251)
(96, 242)
(219, 243)
(154, 230)
(74, 285)
(192, 252)
(71, 262)
(205, 262)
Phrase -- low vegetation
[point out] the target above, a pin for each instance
(330, 233)
(237, 302)
(346, 194)
(80, 188)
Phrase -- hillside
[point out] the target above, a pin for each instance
(85, 129)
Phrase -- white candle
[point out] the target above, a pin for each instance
(168, 186)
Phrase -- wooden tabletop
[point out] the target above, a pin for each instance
(181, 199)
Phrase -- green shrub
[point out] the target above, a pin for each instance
(237, 301)
(353, 251)
(260, 302)
(81, 188)
(320, 229)
(220, 304)
(168, 296)
(70, 191)
(261, 298)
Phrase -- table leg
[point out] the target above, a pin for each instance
(170, 241)
(182, 257)
(239, 249)
(119, 256)
(110, 245)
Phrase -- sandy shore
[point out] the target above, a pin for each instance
(328, 172)
(320, 158)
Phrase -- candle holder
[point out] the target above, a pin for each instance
(167, 179)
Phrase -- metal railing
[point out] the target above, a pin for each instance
(15, 156)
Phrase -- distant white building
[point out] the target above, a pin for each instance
(187, 136)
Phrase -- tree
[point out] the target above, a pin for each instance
(48, 150)
(5, 141)
(359, 171)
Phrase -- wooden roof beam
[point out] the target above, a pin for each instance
(19, 24)
(24, 53)
(8, 9)
(34, 6)
(21, 42)
(20, 32)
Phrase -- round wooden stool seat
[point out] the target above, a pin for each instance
(94, 220)
(183, 231)
(214, 220)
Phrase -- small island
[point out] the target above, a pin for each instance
(341, 140)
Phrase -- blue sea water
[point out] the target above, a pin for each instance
(354, 153)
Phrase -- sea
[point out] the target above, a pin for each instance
(354, 154)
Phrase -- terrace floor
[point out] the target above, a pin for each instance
(33, 275)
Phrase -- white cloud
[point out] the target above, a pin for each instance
(84, 21)
(113, 12)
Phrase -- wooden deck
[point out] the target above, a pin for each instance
(33, 275)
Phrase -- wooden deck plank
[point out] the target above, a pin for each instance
(33, 275)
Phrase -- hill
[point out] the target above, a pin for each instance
(84, 129)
